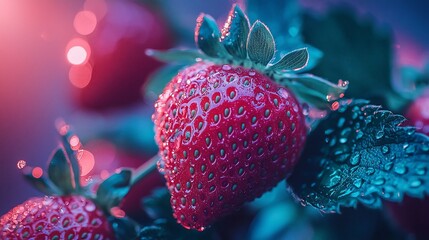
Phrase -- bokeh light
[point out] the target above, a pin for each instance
(117, 212)
(86, 161)
(85, 22)
(75, 142)
(78, 51)
(37, 172)
(80, 75)
(98, 7)
(77, 55)
(21, 164)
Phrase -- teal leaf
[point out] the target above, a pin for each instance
(155, 232)
(207, 37)
(113, 189)
(292, 61)
(124, 228)
(361, 154)
(260, 44)
(235, 33)
(42, 184)
(59, 172)
(176, 55)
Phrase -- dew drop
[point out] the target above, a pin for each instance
(379, 134)
(226, 67)
(400, 169)
(21, 164)
(252, 73)
(341, 122)
(421, 170)
(358, 182)
(415, 183)
(334, 181)
(359, 134)
(385, 149)
(370, 171)
(379, 181)
(355, 159)
(388, 166)
(282, 92)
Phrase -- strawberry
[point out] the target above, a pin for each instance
(69, 217)
(227, 130)
(119, 66)
(73, 210)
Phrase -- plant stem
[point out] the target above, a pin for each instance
(145, 169)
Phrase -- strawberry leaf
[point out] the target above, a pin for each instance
(294, 61)
(113, 189)
(207, 37)
(59, 172)
(235, 32)
(361, 154)
(260, 44)
(154, 232)
(124, 227)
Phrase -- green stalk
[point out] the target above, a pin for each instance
(145, 169)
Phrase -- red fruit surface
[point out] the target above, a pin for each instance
(418, 114)
(226, 135)
(71, 217)
(120, 66)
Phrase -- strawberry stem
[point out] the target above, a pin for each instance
(145, 169)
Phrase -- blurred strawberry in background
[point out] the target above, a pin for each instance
(109, 65)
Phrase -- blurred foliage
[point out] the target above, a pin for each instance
(356, 50)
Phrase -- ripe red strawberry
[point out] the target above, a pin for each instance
(235, 133)
(71, 217)
(227, 132)
(119, 65)
(418, 114)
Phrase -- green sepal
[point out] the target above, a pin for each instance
(113, 189)
(235, 33)
(65, 135)
(42, 184)
(260, 44)
(59, 172)
(207, 37)
(177, 55)
(314, 90)
(292, 61)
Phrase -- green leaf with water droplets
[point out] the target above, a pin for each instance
(292, 61)
(207, 37)
(113, 189)
(260, 44)
(235, 33)
(59, 172)
(361, 154)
